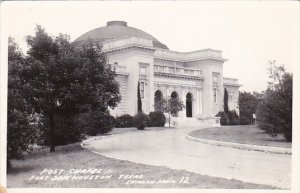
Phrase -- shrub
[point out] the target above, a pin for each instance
(232, 117)
(248, 103)
(223, 120)
(157, 119)
(140, 121)
(124, 120)
(245, 118)
(99, 123)
(274, 113)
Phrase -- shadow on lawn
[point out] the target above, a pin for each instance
(38, 152)
(20, 169)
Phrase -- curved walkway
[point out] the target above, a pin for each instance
(170, 148)
(267, 149)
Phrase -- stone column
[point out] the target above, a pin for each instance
(200, 102)
(196, 103)
(183, 98)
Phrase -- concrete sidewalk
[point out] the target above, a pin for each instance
(170, 148)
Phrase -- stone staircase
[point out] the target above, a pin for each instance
(192, 122)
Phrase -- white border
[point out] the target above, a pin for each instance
(3, 132)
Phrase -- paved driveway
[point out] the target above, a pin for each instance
(170, 148)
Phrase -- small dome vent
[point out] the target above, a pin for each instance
(121, 23)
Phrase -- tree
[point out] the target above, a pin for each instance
(228, 117)
(172, 106)
(248, 103)
(226, 108)
(139, 100)
(62, 79)
(225, 100)
(274, 113)
(20, 131)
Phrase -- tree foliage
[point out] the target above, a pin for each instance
(96, 122)
(172, 105)
(139, 100)
(274, 113)
(20, 127)
(124, 121)
(248, 103)
(157, 119)
(225, 119)
(231, 118)
(59, 78)
(141, 121)
(225, 100)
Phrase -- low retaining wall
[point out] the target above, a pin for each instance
(269, 149)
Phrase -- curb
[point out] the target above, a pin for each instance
(267, 149)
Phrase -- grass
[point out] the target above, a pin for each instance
(244, 134)
(75, 157)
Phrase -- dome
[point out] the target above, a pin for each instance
(116, 30)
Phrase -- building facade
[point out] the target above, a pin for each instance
(195, 77)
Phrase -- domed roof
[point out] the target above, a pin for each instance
(116, 30)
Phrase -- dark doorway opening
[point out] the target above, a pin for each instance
(174, 95)
(189, 105)
(158, 100)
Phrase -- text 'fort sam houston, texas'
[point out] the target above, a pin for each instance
(195, 77)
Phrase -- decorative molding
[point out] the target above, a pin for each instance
(177, 76)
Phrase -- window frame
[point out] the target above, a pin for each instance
(215, 94)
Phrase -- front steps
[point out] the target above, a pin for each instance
(193, 122)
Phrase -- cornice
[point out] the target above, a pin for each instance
(178, 76)
(130, 47)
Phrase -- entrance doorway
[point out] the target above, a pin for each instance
(189, 105)
(157, 100)
(174, 95)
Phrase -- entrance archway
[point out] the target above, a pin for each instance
(174, 95)
(189, 105)
(158, 96)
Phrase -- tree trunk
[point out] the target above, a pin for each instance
(52, 133)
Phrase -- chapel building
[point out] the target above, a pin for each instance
(195, 77)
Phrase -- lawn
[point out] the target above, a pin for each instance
(244, 134)
(111, 173)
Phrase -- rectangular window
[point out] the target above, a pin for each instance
(215, 78)
(215, 95)
(142, 70)
(142, 90)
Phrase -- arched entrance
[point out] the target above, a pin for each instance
(158, 96)
(189, 105)
(174, 95)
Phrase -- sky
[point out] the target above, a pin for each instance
(249, 33)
